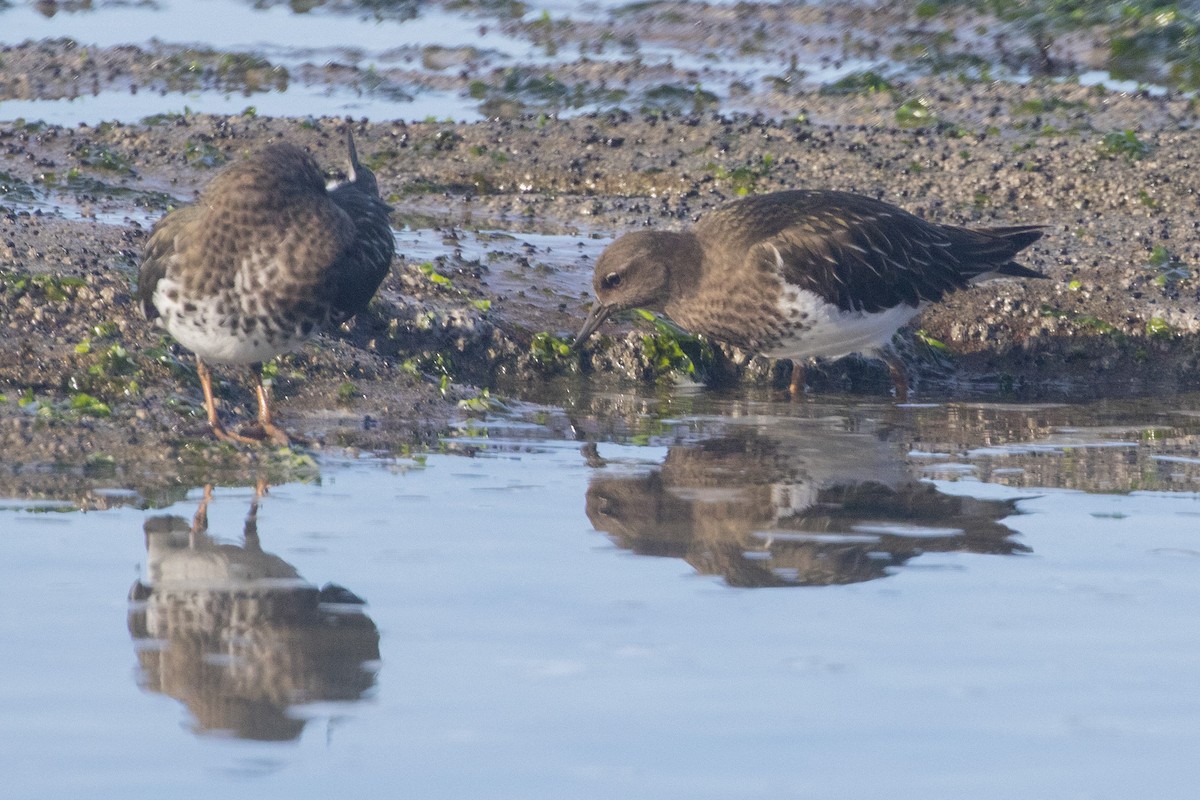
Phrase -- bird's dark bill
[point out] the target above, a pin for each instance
(595, 319)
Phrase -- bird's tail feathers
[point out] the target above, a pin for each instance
(1014, 270)
(1017, 237)
(991, 250)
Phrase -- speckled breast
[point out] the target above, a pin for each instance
(240, 324)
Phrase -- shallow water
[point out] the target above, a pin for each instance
(965, 600)
(315, 101)
(396, 38)
(273, 30)
(285, 38)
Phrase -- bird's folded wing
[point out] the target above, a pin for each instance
(858, 264)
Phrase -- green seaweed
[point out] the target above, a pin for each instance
(743, 178)
(100, 156)
(1124, 143)
(916, 113)
(1148, 40)
(1159, 328)
(15, 188)
(551, 352)
(668, 350)
(521, 89)
(438, 279)
(439, 366)
(86, 405)
(348, 392)
(924, 337)
(1085, 322)
(52, 288)
(166, 118)
(203, 154)
(866, 82)
(674, 99)
(1168, 268)
(481, 403)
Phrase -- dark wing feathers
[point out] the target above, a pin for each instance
(153, 269)
(364, 265)
(862, 254)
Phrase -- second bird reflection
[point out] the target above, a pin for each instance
(236, 635)
(823, 508)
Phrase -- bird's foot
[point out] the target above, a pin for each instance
(239, 437)
(279, 436)
(260, 432)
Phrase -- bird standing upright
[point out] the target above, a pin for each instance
(802, 274)
(266, 257)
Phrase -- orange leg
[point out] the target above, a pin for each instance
(796, 387)
(270, 429)
(210, 405)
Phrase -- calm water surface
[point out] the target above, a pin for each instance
(722, 597)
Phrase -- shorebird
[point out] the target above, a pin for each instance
(264, 259)
(802, 274)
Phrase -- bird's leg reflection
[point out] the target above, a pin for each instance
(200, 518)
(250, 528)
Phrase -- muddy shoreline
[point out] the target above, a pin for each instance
(87, 385)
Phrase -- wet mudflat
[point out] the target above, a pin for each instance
(674, 595)
(564, 129)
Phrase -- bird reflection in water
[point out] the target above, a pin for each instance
(238, 636)
(820, 509)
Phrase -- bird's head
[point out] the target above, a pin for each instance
(635, 272)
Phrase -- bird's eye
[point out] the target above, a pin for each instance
(611, 281)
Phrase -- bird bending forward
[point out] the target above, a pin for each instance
(802, 274)
(266, 257)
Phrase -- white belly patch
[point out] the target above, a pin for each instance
(816, 329)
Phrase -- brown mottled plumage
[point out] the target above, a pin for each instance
(266, 257)
(801, 274)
